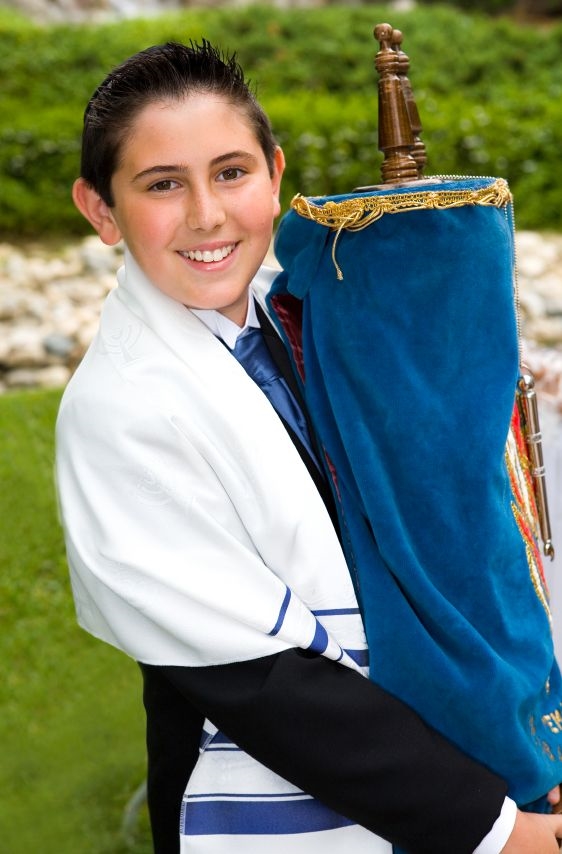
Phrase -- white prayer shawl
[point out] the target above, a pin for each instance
(195, 536)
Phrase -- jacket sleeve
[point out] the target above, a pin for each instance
(347, 742)
(173, 735)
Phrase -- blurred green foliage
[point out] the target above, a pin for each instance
(491, 7)
(488, 90)
(523, 8)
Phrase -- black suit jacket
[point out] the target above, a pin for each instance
(325, 728)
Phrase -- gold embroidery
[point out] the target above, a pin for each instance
(553, 721)
(358, 212)
(547, 749)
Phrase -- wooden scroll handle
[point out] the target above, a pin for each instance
(396, 137)
(418, 150)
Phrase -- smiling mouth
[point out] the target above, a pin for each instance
(209, 256)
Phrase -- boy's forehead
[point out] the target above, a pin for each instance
(195, 128)
(194, 104)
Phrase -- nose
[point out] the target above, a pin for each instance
(205, 209)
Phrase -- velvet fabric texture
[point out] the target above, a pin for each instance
(410, 366)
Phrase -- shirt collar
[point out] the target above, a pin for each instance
(225, 328)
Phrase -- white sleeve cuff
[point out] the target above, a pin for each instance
(495, 840)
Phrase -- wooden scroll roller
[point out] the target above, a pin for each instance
(418, 150)
(399, 124)
(396, 131)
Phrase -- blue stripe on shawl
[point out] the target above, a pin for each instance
(234, 817)
(282, 613)
(220, 738)
(335, 612)
(320, 640)
(359, 656)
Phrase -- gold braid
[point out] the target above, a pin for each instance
(358, 212)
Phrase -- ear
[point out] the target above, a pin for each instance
(278, 169)
(96, 211)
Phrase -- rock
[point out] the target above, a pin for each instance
(531, 304)
(15, 304)
(97, 257)
(59, 345)
(15, 269)
(22, 347)
(547, 330)
(55, 376)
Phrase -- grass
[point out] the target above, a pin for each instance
(71, 719)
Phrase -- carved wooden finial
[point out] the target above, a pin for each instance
(396, 138)
(418, 151)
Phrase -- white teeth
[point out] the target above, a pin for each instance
(207, 256)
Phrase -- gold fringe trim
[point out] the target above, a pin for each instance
(359, 212)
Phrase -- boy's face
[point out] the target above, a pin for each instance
(194, 202)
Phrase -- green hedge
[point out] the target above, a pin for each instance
(488, 91)
(492, 7)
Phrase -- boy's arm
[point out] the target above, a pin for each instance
(344, 740)
(173, 736)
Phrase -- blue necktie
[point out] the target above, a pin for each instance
(252, 353)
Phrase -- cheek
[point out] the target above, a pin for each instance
(146, 229)
(258, 208)
(260, 217)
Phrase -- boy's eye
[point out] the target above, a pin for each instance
(231, 174)
(163, 186)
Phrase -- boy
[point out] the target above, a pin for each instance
(197, 537)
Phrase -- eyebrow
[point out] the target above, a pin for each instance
(180, 169)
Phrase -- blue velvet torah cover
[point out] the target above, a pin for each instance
(410, 364)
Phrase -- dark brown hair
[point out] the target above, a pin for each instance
(171, 71)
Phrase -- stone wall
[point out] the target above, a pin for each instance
(50, 299)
